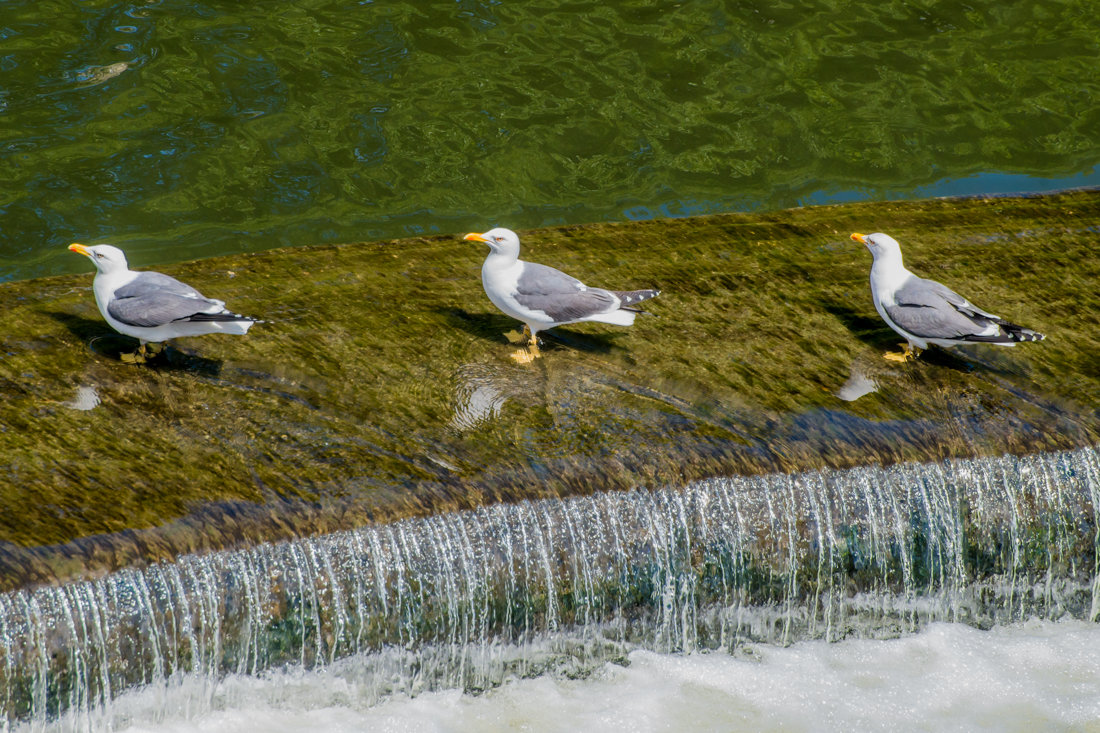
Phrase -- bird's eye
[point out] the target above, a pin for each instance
(97, 254)
(499, 239)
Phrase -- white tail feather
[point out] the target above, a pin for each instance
(617, 318)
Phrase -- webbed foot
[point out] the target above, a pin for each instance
(528, 355)
(138, 357)
(144, 353)
(910, 352)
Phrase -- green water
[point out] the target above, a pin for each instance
(189, 129)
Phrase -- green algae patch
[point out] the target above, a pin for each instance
(380, 385)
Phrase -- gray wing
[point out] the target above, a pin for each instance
(918, 289)
(148, 283)
(929, 309)
(153, 299)
(558, 295)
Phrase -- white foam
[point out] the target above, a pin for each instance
(1034, 676)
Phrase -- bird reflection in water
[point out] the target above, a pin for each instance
(482, 389)
(858, 385)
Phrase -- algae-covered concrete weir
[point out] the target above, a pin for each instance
(381, 385)
(471, 599)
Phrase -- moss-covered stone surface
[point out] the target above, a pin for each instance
(381, 384)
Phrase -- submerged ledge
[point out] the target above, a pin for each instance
(381, 386)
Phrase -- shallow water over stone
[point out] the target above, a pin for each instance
(380, 385)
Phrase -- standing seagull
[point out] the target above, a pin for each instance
(153, 307)
(926, 312)
(543, 297)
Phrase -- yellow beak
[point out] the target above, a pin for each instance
(80, 248)
(859, 237)
(475, 237)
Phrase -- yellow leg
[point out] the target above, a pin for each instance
(910, 352)
(528, 355)
(138, 357)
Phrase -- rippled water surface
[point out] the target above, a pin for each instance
(187, 129)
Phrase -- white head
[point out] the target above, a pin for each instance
(881, 245)
(500, 240)
(106, 258)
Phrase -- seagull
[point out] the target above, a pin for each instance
(153, 307)
(926, 312)
(543, 297)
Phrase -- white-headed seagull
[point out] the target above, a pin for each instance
(153, 307)
(543, 297)
(926, 312)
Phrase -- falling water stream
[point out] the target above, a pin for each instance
(180, 130)
(469, 600)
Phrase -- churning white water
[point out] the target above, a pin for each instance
(380, 627)
(1034, 676)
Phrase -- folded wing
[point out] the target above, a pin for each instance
(559, 296)
(931, 310)
(154, 299)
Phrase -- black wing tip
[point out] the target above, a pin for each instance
(1019, 333)
(630, 297)
(223, 317)
(1010, 334)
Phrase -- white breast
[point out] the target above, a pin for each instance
(104, 287)
(885, 282)
(500, 282)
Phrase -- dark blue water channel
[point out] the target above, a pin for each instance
(180, 130)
